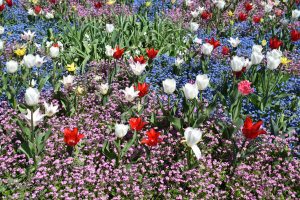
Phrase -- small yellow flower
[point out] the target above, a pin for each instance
(230, 13)
(264, 42)
(34, 1)
(261, 20)
(285, 60)
(74, 8)
(20, 52)
(111, 2)
(79, 90)
(231, 22)
(71, 67)
(148, 4)
(173, 1)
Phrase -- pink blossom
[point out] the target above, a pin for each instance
(244, 87)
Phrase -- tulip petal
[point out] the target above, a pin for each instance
(197, 151)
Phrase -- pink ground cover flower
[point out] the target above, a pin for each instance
(244, 87)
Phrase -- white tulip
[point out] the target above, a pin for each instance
(109, 51)
(110, 28)
(273, 59)
(29, 60)
(68, 81)
(31, 12)
(32, 83)
(200, 9)
(295, 14)
(39, 61)
(54, 52)
(32, 96)
(202, 81)
(207, 49)
(248, 63)
(237, 63)
(256, 57)
(220, 4)
(190, 91)
(121, 130)
(1, 30)
(49, 15)
(178, 62)
(197, 41)
(257, 48)
(104, 88)
(275, 53)
(188, 2)
(192, 137)
(268, 8)
(50, 110)
(28, 36)
(195, 13)
(12, 66)
(137, 68)
(130, 93)
(194, 26)
(37, 117)
(234, 42)
(169, 86)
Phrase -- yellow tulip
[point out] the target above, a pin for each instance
(173, 1)
(79, 90)
(231, 22)
(111, 2)
(71, 67)
(285, 61)
(230, 13)
(34, 1)
(20, 52)
(148, 4)
(264, 42)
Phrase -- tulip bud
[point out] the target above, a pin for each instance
(12, 66)
(295, 14)
(54, 52)
(237, 63)
(104, 88)
(207, 49)
(121, 130)
(32, 96)
(194, 26)
(202, 81)
(169, 86)
(190, 91)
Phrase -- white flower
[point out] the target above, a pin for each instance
(219, 3)
(194, 26)
(49, 44)
(130, 93)
(190, 91)
(268, 8)
(1, 30)
(257, 48)
(247, 63)
(195, 13)
(207, 49)
(32, 83)
(1, 45)
(188, 2)
(68, 81)
(273, 59)
(121, 130)
(178, 62)
(32, 96)
(256, 57)
(201, 9)
(31, 12)
(37, 117)
(295, 14)
(197, 41)
(109, 51)
(49, 15)
(237, 63)
(50, 110)
(192, 137)
(202, 81)
(29, 60)
(169, 86)
(110, 28)
(54, 52)
(39, 61)
(12, 66)
(104, 88)
(234, 42)
(28, 36)
(137, 68)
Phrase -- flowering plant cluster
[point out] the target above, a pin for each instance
(107, 100)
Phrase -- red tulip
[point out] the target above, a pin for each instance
(137, 124)
(213, 42)
(72, 137)
(295, 35)
(225, 50)
(98, 5)
(140, 59)
(250, 130)
(275, 43)
(2, 7)
(55, 45)
(205, 15)
(248, 6)
(142, 88)
(240, 73)
(153, 138)
(9, 3)
(37, 9)
(152, 53)
(243, 16)
(256, 19)
(52, 1)
(118, 53)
